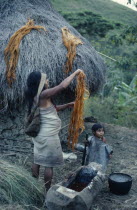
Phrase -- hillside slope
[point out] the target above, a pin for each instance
(112, 30)
(106, 8)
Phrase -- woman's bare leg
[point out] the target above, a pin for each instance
(35, 170)
(48, 174)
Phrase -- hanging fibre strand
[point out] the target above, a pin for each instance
(76, 125)
(70, 41)
(11, 52)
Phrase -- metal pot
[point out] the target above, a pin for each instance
(119, 183)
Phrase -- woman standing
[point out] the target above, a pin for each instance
(47, 147)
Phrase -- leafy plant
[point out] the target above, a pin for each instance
(127, 94)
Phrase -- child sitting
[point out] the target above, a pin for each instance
(97, 150)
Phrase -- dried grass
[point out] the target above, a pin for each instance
(18, 186)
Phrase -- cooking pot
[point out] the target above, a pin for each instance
(119, 183)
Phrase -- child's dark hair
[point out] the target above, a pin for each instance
(96, 126)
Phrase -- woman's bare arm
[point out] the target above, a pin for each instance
(64, 106)
(64, 84)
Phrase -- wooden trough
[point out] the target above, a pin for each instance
(78, 191)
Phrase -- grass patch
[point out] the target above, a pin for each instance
(17, 186)
(107, 110)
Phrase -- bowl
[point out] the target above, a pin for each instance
(119, 183)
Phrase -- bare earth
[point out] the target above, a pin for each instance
(124, 160)
(124, 143)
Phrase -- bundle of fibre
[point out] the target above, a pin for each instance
(18, 186)
(76, 125)
(11, 52)
(70, 41)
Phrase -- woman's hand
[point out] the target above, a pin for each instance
(78, 71)
(71, 104)
(64, 106)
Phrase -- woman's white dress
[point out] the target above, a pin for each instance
(47, 147)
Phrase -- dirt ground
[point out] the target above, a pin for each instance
(124, 160)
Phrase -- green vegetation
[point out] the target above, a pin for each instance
(88, 23)
(106, 8)
(112, 30)
(118, 108)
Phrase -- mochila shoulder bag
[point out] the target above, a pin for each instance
(32, 124)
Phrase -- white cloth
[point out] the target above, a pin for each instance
(47, 147)
(69, 156)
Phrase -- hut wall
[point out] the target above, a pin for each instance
(13, 138)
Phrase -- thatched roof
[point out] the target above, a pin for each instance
(42, 51)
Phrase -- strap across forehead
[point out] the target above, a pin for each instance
(41, 84)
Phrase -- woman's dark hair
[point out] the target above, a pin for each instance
(96, 126)
(33, 82)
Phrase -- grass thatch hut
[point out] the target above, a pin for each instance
(43, 51)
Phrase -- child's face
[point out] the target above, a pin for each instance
(99, 133)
